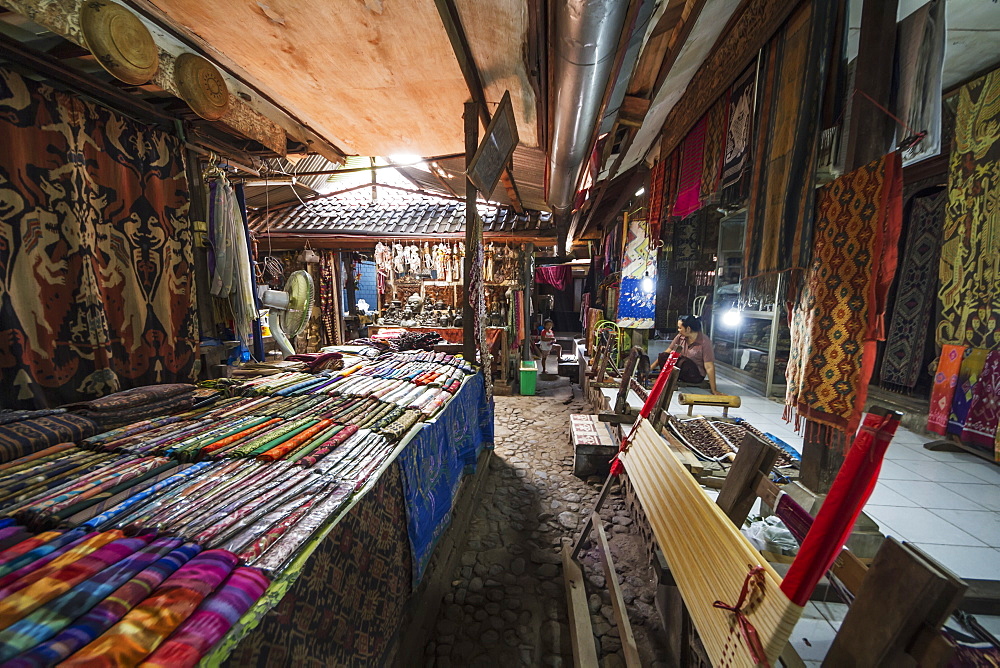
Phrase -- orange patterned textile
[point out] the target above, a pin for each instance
(839, 315)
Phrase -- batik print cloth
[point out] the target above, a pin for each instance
(915, 293)
(100, 228)
(838, 317)
(434, 462)
(968, 375)
(984, 410)
(943, 392)
(970, 263)
(637, 299)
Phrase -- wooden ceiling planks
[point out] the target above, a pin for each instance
(375, 77)
(497, 32)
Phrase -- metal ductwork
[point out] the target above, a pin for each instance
(587, 36)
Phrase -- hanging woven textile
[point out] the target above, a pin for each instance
(95, 219)
(970, 263)
(968, 377)
(780, 207)
(735, 178)
(232, 278)
(943, 392)
(657, 185)
(911, 313)
(692, 161)
(717, 117)
(920, 41)
(838, 317)
(329, 299)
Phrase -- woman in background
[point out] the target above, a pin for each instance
(697, 355)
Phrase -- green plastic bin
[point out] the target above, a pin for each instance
(529, 378)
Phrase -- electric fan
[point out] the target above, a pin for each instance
(292, 307)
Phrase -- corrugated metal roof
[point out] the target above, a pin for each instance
(529, 176)
(395, 212)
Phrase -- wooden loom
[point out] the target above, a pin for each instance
(899, 602)
(711, 561)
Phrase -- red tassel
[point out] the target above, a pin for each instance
(617, 468)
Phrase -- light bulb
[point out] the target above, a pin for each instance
(731, 318)
(646, 284)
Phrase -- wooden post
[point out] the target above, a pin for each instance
(754, 461)
(903, 593)
(473, 237)
(352, 305)
(529, 276)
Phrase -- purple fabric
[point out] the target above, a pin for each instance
(558, 276)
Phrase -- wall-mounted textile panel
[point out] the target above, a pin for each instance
(96, 275)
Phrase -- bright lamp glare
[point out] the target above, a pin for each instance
(647, 284)
(639, 192)
(405, 159)
(731, 318)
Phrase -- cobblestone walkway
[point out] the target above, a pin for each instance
(507, 604)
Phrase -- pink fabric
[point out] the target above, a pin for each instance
(558, 276)
(689, 180)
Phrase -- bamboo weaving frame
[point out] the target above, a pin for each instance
(708, 556)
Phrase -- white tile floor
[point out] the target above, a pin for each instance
(946, 503)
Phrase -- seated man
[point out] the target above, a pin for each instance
(697, 355)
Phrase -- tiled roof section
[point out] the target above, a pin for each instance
(395, 212)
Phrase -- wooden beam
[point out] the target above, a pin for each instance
(871, 130)
(52, 68)
(580, 631)
(633, 110)
(463, 53)
(617, 602)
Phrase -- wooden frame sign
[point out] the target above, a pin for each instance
(496, 149)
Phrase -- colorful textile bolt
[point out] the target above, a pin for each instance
(53, 617)
(25, 601)
(146, 626)
(100, 618)
(202, 630)
(27, 437)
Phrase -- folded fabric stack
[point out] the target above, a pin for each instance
(139, 403)
(31, 434)
(83, 597)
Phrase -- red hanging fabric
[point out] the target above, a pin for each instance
(850, 491)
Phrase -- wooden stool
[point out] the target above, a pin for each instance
(727, 401)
